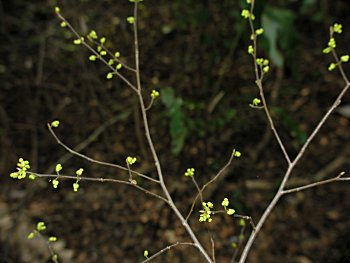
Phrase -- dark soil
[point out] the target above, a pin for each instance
(197, 48)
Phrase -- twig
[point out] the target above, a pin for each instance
(208, 183)
(92, 137)
(96, 161)
(168, 248)
(96, 53)
(101, 180)
(150, 104)
(112, 55)
(259, 78)
(327, 181)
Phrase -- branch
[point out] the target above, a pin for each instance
(92, 137)
(152, 148)
(168, 248)
(96, 161)
(208, 183)
(258, 82)
(280, 192)
(327, 181)
(96, 53)
(101, 180)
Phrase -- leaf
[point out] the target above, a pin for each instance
(177, 119)
(278, 24)
(167, 96)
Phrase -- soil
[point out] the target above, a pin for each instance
(198, 49)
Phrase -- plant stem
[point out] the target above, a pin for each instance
(152, 148)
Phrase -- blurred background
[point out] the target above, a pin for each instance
(195, 54)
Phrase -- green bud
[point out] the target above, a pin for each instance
(266, 69)
(245, 13)
(79, 172)
(256, 102)
(225, 202)
(259, 31)
(237, 154)
(58, 167)
(190, 172)
(250, 50)
(344, 58)
(109, 75)
(55, 183)
(130, 19)
(327, 50)
(331, 43)
(40, 226)
(77, 41)
(93, 34)
(55, 124)
(75, 187)
(154, 94)
(31, 235)
(92, 58)
(337, 28)
(332, 66)
(130, 160)
(52, 239)
(230, 211)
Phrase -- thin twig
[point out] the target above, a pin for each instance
(150, 104)
(96, 161)
(112, 55)
(208, 183)
(168, 248)
(259, 78)
(212, 248)
(101, 180)
(327, 181)
(96, 53)
(92, 137)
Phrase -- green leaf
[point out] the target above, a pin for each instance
(177, 126)
(167, 96)
(279, 31)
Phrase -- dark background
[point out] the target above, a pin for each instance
(195, 54)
